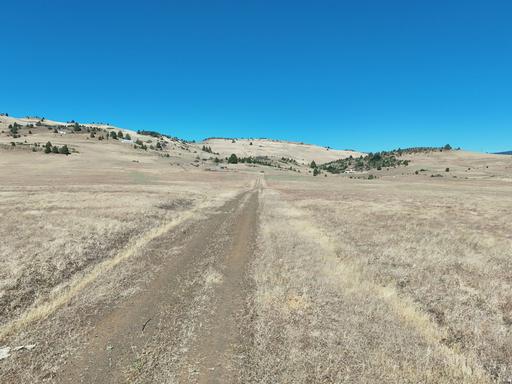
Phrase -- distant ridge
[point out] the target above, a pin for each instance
(503, 153)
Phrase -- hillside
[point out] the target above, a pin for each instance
(99, 144)
(131, 256)
(95, 145)
(300, 152)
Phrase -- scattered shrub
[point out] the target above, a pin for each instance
(64, 150)
(49, 148)
(233, 159)
(377, 161)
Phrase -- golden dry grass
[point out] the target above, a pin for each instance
(302, 153)
(399, 280)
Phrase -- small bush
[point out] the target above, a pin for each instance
(232, 159)
(64, 150)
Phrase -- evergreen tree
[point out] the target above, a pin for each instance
(64, 150)
(233, 159)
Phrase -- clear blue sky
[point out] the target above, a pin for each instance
(367, 75)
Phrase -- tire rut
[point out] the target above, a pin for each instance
(215, 356)
(186, 314)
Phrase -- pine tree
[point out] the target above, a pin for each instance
(64, 150)
(233, 159)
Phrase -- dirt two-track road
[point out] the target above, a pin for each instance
(187, 325)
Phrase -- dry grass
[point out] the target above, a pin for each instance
(383, 281)
(67, 219)
(402, 279)
(302, 153)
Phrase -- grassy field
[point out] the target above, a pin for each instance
(402, 278)
(396, 280)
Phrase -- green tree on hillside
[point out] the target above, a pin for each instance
(64, 150)
(233, 159)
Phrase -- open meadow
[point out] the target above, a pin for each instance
(165, 264)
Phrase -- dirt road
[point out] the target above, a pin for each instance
(187, 325)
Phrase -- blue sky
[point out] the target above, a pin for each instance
(367, 75)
